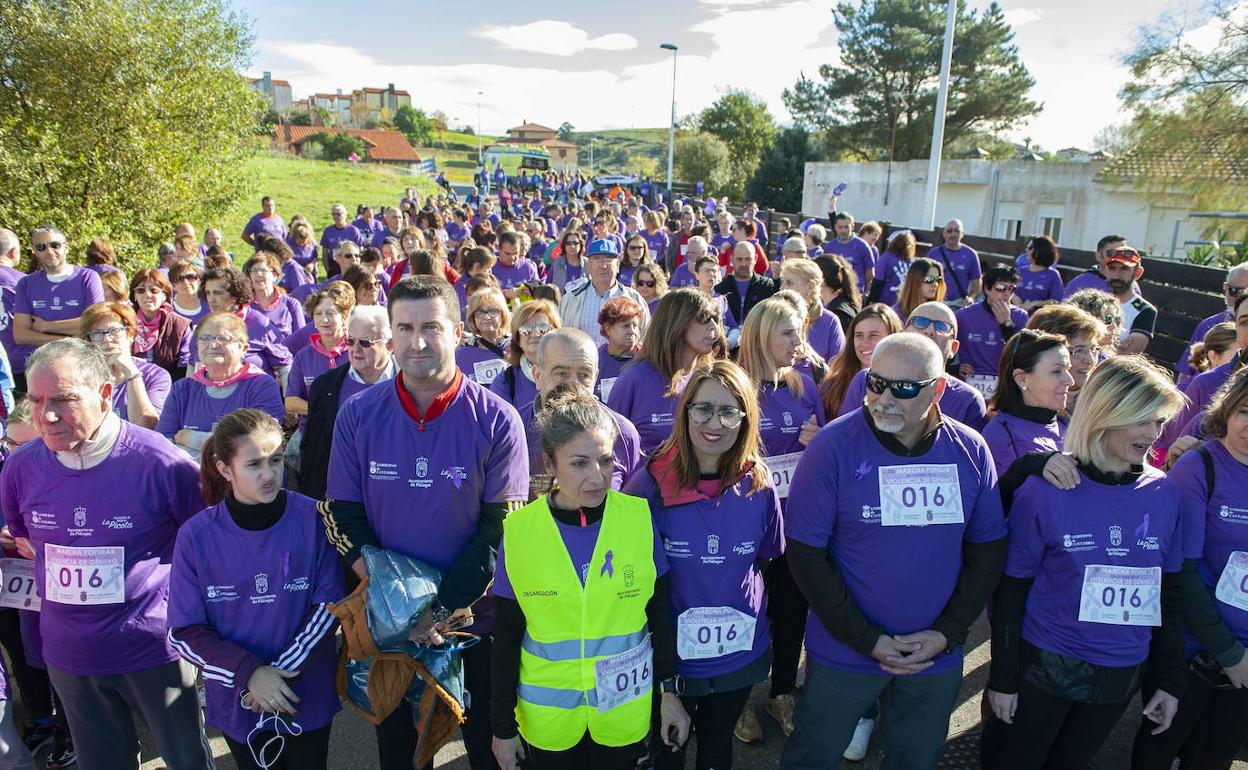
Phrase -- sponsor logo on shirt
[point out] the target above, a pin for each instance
(788, 419)
(745, 548)
(217, 594)
(262, 583)
(630, 575)
(1115, 542)
(39, 520)
(456, 474)
(119, 522)
(677, 548)
(863, 469)
(80, 516)
(1142, 538)
(262, 595)
(1232, 514)
(712, 549)
(298, 584)
(378, 471)
(421, 469)
(80, 528)
(1083, 541)
(660, 418)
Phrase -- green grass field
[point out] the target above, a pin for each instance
(311, 187)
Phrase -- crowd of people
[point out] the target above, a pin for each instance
(651, 453)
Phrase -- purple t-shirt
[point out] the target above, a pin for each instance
(960, 266)
(293, 276)
(682, 276)
(264, 343)
(1090, 279)
(1036, 285)
(273, 225)
(513, 387)
(609, 368)
(1010, 437)
(332, 236)
(135, 500)
(368, 229)
(892, 270)
(783, 413)
(480, 364)
(37, 296)
(713, 548)
(627, 447)
(1215, 525)
(657, 241)
(304, 255)
(191, 406)
(194, 318)
(510, 277)
(422, 484)
(900, 576)
(286, 315)
(157, 382)
(980, 339)
(960, 401)
(257, 590)
(826, 336)
(1055, 535)
(857, 253)
(8, 287)
(1199, 395)
(1185, 370)
(638, 395)
(299, 338)
(308, 364)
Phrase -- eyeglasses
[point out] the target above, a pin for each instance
(701, 412)
(1089, 352)
(1235, 291)
(186, 277)
(636, 247)
(108, 332)
(1010, 287)
(42, 247)
(941, 327)
(571, 243)
(261, 271)
(214, 339)
(933, 278)
(364, 343)
(488, 312)
(902, 389)
(646, 284)
(536, 329)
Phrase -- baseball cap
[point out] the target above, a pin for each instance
(602, 246)
(1123, 254)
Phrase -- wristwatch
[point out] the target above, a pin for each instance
(673, 684)
(440, 613)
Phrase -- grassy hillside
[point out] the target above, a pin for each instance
(311, 187)
(624, 150)
(456, 154)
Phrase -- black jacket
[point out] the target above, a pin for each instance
(761, 287)
(318, 435)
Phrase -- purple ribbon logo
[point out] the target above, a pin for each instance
(286, 564)
(607, 569)
(1141, 531)
(863, 469)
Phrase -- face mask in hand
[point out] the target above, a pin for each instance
(275, 742)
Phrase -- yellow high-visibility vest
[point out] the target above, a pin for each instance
(584, 660)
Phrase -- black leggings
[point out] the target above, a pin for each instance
(1049, 733)
(585, 755)
(714, 717)
(787, 609)
(1207, 733)
(307, 751)
(32, 683)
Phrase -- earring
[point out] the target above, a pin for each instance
(1024, 387)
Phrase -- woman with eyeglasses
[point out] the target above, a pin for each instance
(1211, 726)
(1030, 396)
(925, 282)
(222, 382)
(567, 264)
(619, 322)
(326, 349)
(483, 355)
(530, 322)
(282, 310)
(716, 508)
(1083, 334)
(267, 655)
(683, 333)
(1092, 586)
(366, 285)
(636, 252)
(872, 324)
(184, 277)
(163, 336)
(983, 328)
(139, 388)
(226, 290)
(650, 281)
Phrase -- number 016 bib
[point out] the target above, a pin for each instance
(84, 575)
(1121, 596)
(1233, 584)
(918, 495)
(709, 632)
(624, 677)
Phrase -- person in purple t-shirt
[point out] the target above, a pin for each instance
(716, 508)
(961, 265)
(984, 327)
(248, 588)
(282, 310)
(1092, 587)
(428, 467)
(619, 323)
(512, 268)
(1234, 287)
(1040, 283)
(337, 233)
(895, 535)
(853, 249)
(10, 255)
(139, 387)
(1031, 393)
(225, 290)
(97, 503)
(267, 221)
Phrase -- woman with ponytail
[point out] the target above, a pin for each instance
(250, 579)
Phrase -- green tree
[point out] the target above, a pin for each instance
(415, 126)
(742, 122)
(300, 119)
(703, 158)
(336, 146)
(109, 127)
(565, 131)
(777, 182)
(880, 100)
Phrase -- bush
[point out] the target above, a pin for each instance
(337, 146)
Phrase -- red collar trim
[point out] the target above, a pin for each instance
(439, 405)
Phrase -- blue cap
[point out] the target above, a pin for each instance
(602, 246)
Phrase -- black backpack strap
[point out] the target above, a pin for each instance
(949, 269)
(1208, 461)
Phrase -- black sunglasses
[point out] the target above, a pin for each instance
(366, 344)
(647, 284)
(903, 389)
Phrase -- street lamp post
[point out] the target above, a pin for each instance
(671, 132)
(938, 125)
(479, 93)
(591, 155)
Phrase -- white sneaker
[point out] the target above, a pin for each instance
(856, 751)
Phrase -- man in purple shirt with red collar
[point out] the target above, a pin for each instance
(896, 535)
(428, 466)
(97, 503)
(267, 221)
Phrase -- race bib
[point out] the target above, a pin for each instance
(1232, 586)
(986, 384)
(918, 495)
(782, 467)
(1121, 596)
(18, 578)
(624, 677)
(709, 632)
(484, 372)
(84, 575)
(604, 388)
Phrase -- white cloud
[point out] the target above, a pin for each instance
(556, 38)
(1017, 17)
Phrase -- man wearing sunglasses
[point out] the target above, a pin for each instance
(984, 327)
(896, 534)
(1094, 278)
(1139, 316)
(936, 321)
(48, 303)
(961, 263)
(1234, 287)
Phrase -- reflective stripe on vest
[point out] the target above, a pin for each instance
(571, 649)
(555, 698)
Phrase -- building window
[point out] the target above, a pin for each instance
(1052, 227)
(563, 153)
(1011, 228)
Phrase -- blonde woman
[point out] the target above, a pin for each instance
(484, 354)
(823, 328)
(529, 323)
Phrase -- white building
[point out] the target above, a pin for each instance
(1075, 203)
(277, 92)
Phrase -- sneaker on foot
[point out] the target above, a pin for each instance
(62, 754)
(36, 735)
(856, 751)
(780, 708)
(748, 729)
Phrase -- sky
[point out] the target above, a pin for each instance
(497, 64)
